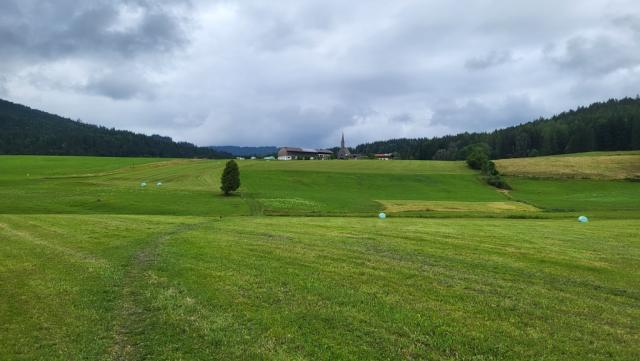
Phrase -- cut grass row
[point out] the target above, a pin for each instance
(448, 206)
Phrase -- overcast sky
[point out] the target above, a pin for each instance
(297, 73)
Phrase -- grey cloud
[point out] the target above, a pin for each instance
(378, 85)
(494, 58)
(121, 85)
(312, 126)
(3, 87)
(41, 29)
(599, 55)
(280, 35)
(475, 115)
(401, 118)
(292, 126)
(630, 21)
(296, 73)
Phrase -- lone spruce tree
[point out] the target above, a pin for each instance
(230, 178)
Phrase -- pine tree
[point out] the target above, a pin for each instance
(230, 178)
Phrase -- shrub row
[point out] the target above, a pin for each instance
(479, 160)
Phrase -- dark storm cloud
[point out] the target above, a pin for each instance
(53, 29)
(121, 85)
(299, 72)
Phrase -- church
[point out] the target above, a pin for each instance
(344, 152)
(295, 153)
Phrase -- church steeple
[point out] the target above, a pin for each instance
(343, 153)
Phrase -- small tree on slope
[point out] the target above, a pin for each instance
(230, 178)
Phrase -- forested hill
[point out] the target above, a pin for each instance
(28, 131)
(611, 125)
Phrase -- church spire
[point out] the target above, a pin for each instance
(343, 153)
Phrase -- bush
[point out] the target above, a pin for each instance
(230, 178)
(497, 181)
(489, 168)
(476, 159)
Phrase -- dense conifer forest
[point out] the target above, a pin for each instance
(604, 126)
(29, 131)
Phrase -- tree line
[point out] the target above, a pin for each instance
(29, 131)
(603, 126)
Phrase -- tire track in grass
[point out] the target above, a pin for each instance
(132, 314)
(255, 206)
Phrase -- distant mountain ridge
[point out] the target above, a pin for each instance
(29, 131)
(246, 151)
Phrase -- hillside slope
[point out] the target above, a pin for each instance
(35, 184)
(76, 185)
(617, 165)
(28, 131)
(606, 126)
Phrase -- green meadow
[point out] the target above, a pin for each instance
(297, 266)
(191, 187)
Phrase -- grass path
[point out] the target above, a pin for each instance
(133, 312)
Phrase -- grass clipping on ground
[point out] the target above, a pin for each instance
(615, 166)
(395, 206)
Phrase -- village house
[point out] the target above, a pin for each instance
(384, 156)
(293, 153)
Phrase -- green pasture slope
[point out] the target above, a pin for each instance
(86, 185)
(95, 267)
(600, 184)
(190, 187)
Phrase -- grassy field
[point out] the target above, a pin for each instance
(449, 206)
(574, 195)
(95, 267)
(190, 187)
(80, 185)
(171, 288)
(595, 165)
(599, 183)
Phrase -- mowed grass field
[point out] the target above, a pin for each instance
(191, 187)
(593, 165)
(111, 287)
(599, 183)
(81, 185)
(95, 267)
